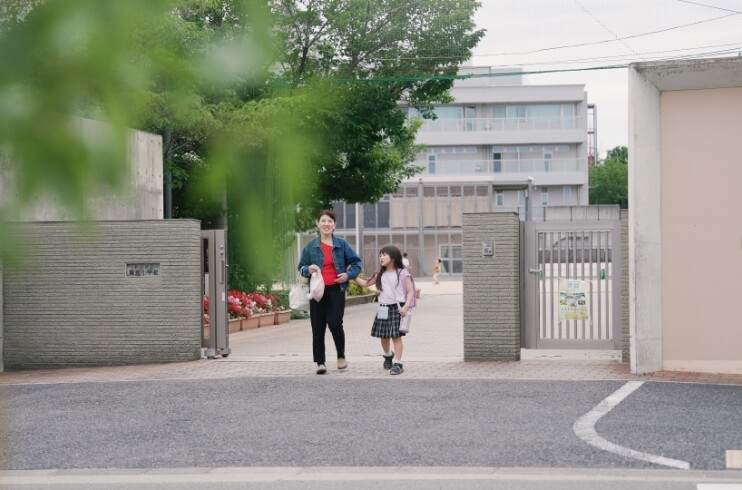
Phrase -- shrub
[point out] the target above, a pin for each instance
(354, 289)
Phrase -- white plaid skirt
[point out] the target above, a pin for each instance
(389, 328)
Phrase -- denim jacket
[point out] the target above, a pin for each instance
(342, 256)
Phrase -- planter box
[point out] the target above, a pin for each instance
(265, 319)
(234, 325)
(360, 299)
(249, 323)
(282, 317)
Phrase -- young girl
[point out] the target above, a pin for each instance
(395, 286)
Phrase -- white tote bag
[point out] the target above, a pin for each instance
(299, 297)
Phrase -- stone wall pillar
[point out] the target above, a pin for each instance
(492, 330)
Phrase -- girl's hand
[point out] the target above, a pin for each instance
(403, 311)
(341, 278)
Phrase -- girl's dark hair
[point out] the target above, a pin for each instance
(327, 212)
(396, 256)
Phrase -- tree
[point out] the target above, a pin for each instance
(286, 112)
(371, 56)
(609, 179)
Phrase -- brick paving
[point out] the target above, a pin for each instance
(434, 349)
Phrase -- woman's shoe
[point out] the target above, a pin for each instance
(321, 369)
(342, 363)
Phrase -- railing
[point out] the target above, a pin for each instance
(481, 167)
(504, 124)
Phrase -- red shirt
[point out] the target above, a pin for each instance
(329, 274)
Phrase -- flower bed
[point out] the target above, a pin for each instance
(252, 310)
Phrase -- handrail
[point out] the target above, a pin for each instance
(504, 124)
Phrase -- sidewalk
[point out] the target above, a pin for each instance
(433, 349)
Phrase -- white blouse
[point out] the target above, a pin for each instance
(392, 292)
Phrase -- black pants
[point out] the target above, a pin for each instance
(328, 311)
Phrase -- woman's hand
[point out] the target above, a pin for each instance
(313, 268)
(341, 278)
(404, 310)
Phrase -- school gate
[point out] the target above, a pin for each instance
(560, 283)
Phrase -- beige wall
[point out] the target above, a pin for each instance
(701, 229)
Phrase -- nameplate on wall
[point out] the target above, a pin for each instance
(143, 269)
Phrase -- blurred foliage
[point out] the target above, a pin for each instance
(269, 110)
(609, 179)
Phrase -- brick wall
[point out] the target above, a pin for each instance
(491, 287)
(71, 302)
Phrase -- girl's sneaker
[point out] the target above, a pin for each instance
(321, 368)
(388, 360)
(397, 369)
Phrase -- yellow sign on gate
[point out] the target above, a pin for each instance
(573, 300)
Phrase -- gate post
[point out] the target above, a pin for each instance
(491, 251)
(215, 338)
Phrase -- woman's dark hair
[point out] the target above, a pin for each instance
(327, 212)
(396, 256)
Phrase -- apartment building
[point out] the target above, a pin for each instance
(502, 145)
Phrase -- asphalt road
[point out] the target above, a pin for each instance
(331, 422)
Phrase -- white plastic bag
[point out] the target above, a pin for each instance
(316, 286)
(299, 297)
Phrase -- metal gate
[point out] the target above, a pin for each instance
(572, 284)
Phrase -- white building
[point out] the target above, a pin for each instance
(480, 153)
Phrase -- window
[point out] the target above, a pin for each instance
(500, 198)
(544, 197)
(497, 162)
(567, 195)
(568, 115)
(369, 215)
(513, 111)
(339, 208)
(431, 164)
(452, 258)
(547, 162)
(383, 213)
(470, 112)
(521, 197)
(449, 112)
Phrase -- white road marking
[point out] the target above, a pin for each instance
(585, 430)
(719, 486)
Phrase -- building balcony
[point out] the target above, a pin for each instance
(490, 167)
(503, 131)
(557, 171)
(497, 124)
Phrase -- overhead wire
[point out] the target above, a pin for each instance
(602, 62)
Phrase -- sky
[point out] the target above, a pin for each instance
(587, 36)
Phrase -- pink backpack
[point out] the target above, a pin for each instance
(402, 277)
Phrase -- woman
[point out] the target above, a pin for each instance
(338, 263)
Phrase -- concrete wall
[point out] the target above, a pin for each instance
(71, 303)
(686, 238)
(702, 245)
(491, 287)
(142, 197)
